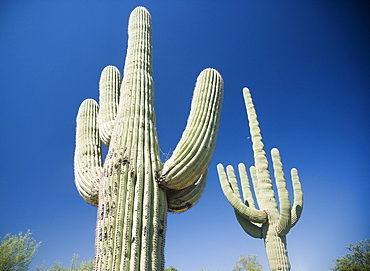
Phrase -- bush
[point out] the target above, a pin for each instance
(16, 251)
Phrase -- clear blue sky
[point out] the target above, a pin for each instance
(307, 64)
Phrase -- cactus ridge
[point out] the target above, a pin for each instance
(271, 222)
(133, 189)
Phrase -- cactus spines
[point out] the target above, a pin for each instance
(271, 221)
(133, 189)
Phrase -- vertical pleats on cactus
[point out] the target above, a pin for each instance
(271, 221)
(132, 188)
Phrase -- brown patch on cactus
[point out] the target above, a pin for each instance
(132, 172)
(121, 162)
(112, 208)
(188, 205)
(178, 201)
(160, 179)
(118, 164)
(125, 161)
(105, 233)
(157, 176)
(115, 191)
(111, 232)
(107, 209)
(102, 211)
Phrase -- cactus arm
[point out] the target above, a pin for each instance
(250, 228)
(88, 163)
(181, 200)
(193, 153)
(233, 182)
(109, 86)
(298, 197)
(283, 225)
(247, 193)
(248, 213)
(253, 173)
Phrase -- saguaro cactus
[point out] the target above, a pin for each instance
(133, 189)
(270, 222)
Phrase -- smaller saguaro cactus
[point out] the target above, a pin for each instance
(271, 221)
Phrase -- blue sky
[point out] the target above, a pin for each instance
(306, 63)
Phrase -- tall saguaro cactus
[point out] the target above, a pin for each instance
(270, 222)
(133, 189)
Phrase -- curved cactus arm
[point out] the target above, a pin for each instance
(109, 86)
(88, 161)
(246, 212)
(298, 197)
(247, 193)
(284, 222)
(193, 153)
(181, 200)
(249, 227)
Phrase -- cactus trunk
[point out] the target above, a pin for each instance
(276, 248)
(132, 209)
(133, 189)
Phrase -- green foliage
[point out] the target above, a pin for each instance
(358, 259)
(247, 263)
(16, 251)
(75, 265)
(171, 268)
